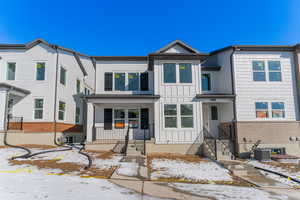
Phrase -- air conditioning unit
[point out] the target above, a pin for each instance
(262, 154)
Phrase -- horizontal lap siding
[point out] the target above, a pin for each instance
(249, 91)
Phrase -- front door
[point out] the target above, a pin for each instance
(214, 120)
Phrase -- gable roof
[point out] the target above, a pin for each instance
(37, 41)
(181, 44)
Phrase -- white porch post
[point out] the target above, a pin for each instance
(3, 96)
(90, 122)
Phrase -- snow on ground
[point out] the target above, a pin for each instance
(201, 171)
(277, 169)
(22, 182)
(225, 192)
(128, 169)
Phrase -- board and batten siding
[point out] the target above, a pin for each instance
(248, 91)
(176, 93)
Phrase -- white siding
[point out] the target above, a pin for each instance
(177, 94)
(25, 78)
(121, 66)
(249, 91)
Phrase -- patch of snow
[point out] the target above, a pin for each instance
(202, 171)
(22, 182)
(225, 192)
(128, 169)
(278, 178)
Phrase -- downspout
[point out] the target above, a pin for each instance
(236, 148)
(55, 96)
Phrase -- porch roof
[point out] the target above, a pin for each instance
(215, 96)
(122, 98)
(14, 89)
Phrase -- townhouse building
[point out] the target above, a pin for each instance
(176, 99)
(41, 85)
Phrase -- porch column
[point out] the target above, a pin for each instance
(3, 95)
(90, 122)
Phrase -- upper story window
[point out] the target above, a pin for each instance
(11, 71)
(86, 91)
(77, 115)
(40, 71)
(63, 75)
(259, 73)
(61, 110)
(123, 81)
(78, 88)
(38, 108)
(120, 81)
(274, 70)
(206, 82)
(261, 109)
(133, 81)
(184, 71)
(169, 73)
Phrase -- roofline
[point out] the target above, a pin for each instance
(37, 41)
(124, 96)
(255, 48)
(120, 58)
(5, 85)
(173, 43)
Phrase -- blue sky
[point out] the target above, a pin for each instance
(139, 27)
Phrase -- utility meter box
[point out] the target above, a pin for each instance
(262, 154)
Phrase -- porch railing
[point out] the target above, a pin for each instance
(226, 130)
(14, 123)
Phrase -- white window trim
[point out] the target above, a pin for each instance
(127, 81)
(178, 116)
(177, 73)
(284, 110)
(211, 82)
(65, 76)
(65, 112)
(6, 70)
(270, 117)
(33, 117)
(267, 77)
(35, 67)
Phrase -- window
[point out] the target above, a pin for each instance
(214, 113)
(78, 86)
(61, 110)
(38, 108)
(185, 73)
(108, 81)
(40, 71)
(69, 139)
(144, 82)
(169, 73)
(120, 81)
(86, 91)
(77, 115)
(170, 112)
(11, 71)
(133, 118)
(259, 73)
(63, 74)
(278, 110)
(133, 81)
(186, 112)
(119, 117)
(261, 109)
(205, 82)
(274, 70)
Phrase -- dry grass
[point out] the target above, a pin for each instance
(191, 159)
(38, 146)
(66, 167)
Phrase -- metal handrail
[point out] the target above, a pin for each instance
(126, 141)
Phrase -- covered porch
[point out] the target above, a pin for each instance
(115, 118)
(9, 96)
